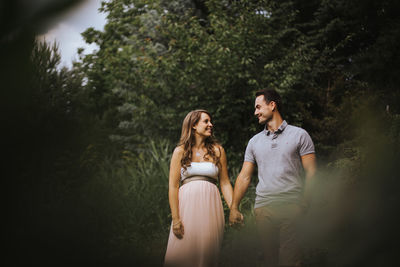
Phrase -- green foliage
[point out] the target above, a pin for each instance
(157, 62)
(127, 197)
(88, 148)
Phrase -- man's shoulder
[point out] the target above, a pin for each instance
(295, 129)
(256, 137)
(298, 133)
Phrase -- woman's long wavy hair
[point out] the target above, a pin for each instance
(187, 139)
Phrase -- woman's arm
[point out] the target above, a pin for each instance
(173, 192)
(241, 185)
(224, 181)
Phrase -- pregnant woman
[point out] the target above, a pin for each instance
(197, 163)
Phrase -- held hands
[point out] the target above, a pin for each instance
(235, 218)
(177, 228)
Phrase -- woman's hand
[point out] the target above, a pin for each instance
(235, 218)
(177, 229)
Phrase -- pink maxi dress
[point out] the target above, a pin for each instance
(202, 216)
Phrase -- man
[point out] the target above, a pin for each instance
(281, 152)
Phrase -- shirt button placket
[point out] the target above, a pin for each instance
(274, 143)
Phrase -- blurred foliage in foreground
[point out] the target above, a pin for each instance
(87, 149)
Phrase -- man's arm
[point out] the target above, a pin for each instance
(241, 185)
(310, 167)
(224, 181)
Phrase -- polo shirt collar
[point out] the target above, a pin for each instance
(280, 129)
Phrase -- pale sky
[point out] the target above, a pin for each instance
(66, 29)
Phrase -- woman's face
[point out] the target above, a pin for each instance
(204, 126)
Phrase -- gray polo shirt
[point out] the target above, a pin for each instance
(278, 158)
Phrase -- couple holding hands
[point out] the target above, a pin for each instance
(281, 153)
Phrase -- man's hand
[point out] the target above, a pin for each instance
(235, 217)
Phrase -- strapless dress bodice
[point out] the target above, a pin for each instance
(204, 168)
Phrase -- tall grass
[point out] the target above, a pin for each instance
(131, 194)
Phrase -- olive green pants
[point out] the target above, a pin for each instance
(277, 228)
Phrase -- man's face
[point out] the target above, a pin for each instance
(263, 111)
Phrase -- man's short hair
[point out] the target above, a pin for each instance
(271, 95)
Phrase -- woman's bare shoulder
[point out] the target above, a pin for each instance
(178, 153)
(179, 150)
(218, 149)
